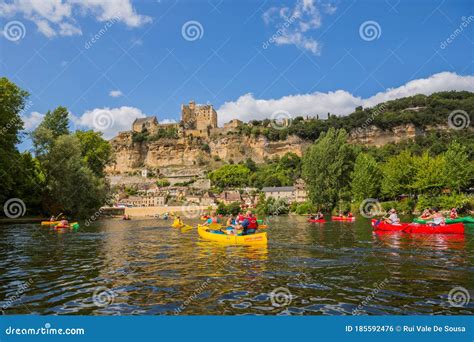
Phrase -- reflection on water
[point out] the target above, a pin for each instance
(144, 267)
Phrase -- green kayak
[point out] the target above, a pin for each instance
(466, 219)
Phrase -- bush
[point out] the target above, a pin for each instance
(405, 206)
(304, 208)
(460, 201)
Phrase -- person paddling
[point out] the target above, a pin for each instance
(250, 224)
(392, 217)
(437, 218)
(212, 220)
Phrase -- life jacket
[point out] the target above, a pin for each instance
(240, 218)
(253, 224)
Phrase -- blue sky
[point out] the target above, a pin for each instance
(320, 58)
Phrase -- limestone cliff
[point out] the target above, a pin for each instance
(192, 154)
(187, 158)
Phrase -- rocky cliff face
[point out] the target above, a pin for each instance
(185, 153)
(185, 157)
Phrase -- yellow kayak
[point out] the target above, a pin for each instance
(48, 223)
(248, 240)
(180, 225)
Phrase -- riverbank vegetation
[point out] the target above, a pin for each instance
(65, 174)
(340, 175)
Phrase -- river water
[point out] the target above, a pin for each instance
(138, 267)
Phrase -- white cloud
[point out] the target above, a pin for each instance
(32, 121)
(109, 121)
(294, 25)
(115, 93)
(58, 17)
(339, 102)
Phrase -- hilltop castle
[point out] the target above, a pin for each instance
(196, 120)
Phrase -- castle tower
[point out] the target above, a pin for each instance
(200, 117)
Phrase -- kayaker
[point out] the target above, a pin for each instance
(178, 222)
(64, 223)
(212, 220)
(437, 218)
(250, 224)
(426, 214)
(453, 214)
(392, 217)
(350, 214)
(318, 216)
(231, 226)
(240, 218)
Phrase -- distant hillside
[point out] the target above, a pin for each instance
(420, 110)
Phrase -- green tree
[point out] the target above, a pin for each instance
(54, 125)
(458, 170)
(326, 168)
(429, 173)
(72, 186)
(95, 151)
(12, 102)
(366, 177)
(230, 176)
(398, 173)
(57, 121)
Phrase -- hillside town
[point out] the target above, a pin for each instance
(148, 186)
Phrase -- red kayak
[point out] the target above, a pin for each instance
(316, 221)
(343, 218)
(417, 228)
(389, 227)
